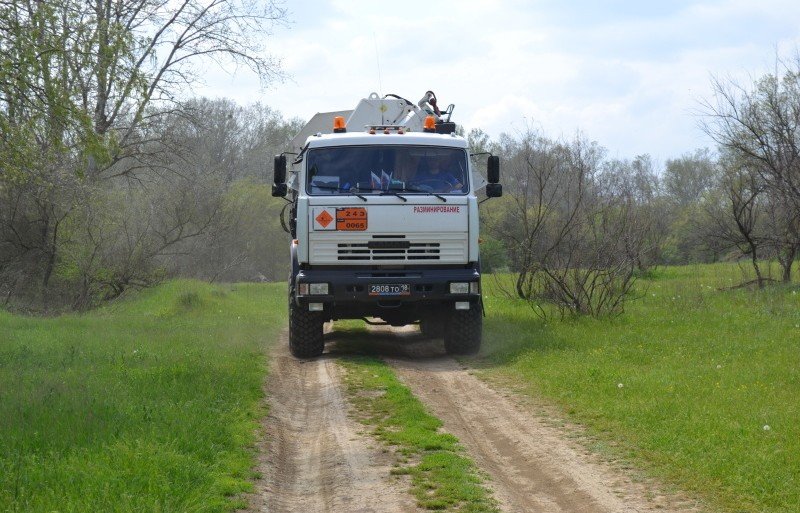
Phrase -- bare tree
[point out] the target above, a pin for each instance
(165, 42)
(567, 234)
(783, 232)
(760, 128)
(743, 195)
(635, 183)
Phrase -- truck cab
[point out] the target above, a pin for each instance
(384, 221)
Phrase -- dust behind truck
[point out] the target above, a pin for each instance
(383, 213)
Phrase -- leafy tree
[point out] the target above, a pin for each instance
(84, 89)
(687, 178)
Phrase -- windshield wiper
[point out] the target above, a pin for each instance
(414, 189)
(299, 157)
(393, 193)
(340, 189)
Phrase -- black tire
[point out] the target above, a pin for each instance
(305, 331)
(431, 328)
(463, 331)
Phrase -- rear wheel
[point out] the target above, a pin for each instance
(305, 331)
(463, 331)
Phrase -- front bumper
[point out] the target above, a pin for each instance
(349, 288)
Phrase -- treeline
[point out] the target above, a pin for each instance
(577, 228)
(110, 179)
(547, 180)
(194, 202)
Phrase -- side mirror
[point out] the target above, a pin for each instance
(279, 188)
(279, 174)
(493, 169)
(494, 190)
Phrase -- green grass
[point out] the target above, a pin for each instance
(151, 404)
(697, 385)
(442, 476)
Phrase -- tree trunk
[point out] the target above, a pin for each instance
(759, 278)
(51, 256)
(787, 260)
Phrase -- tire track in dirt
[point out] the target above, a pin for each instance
(532, 464)
(315, 459)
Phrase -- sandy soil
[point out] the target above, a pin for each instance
(315, 458)
(534, 464)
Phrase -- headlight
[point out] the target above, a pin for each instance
(459, 288)
(318, 289)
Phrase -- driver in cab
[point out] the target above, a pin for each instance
(435, 175)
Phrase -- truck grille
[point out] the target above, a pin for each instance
(388, 249)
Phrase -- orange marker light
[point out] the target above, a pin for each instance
(430, 124)
(338, 125)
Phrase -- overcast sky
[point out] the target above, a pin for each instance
(628, 74)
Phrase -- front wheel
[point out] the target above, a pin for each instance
(463, 331)
(305, 331)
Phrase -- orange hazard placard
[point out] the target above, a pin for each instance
(324, 218)
(351, 219)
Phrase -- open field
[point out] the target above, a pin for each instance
(699, 386)
(147, 405)
(153, 403)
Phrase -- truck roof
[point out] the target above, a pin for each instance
(364, 138)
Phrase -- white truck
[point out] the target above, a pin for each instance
(383, 213)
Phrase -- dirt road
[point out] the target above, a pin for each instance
(317, 460)
(534, 466)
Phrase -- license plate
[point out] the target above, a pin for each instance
(352, 219)
(397, 289)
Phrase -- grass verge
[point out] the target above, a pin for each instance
(151, 404)
(442, 476)
(696, 384)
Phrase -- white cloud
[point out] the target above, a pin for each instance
(628, 74)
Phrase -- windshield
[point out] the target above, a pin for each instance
(378, 169)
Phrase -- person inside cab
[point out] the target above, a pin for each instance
(438, 174)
